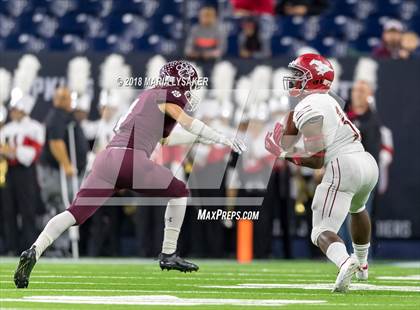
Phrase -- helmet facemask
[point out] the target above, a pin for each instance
(295, 84)
(189, 81)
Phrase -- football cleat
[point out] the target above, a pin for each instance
(347, 270)
(27, 262)
(174, 262)
(362, 274)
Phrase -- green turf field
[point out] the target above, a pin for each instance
(137, 284)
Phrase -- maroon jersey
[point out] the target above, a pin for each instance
(144, 124)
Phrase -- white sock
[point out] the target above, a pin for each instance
(361, 251)
(337, 253)
(174, 216)
(54, 228)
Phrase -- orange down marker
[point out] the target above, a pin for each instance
(244, 247)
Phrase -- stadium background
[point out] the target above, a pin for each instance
(57, 31)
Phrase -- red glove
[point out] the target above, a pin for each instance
(271, 145)
(278, 133)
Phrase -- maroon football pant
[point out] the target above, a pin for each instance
(115, 169)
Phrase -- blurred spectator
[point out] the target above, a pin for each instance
(21, 143)
(301, 7)
(206, 40)
(363, 114)
(391, 40)
(60, 121)
(365, 117)
(409, 45)
(251, 44)
(252, 7)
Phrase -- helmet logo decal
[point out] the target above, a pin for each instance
(185, 70)
(320, 67)
(176, 93)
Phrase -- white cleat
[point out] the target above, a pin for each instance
(347, 270)
(362, 274)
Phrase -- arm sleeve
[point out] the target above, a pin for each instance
(303, 114)
(180, 136)
(198, 128)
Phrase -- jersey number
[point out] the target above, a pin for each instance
(346, 121)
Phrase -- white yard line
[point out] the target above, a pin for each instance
(415, 264)
(159, 273)
(157, 278)
(164, 300)
(202, 292)
(317, 286)
(88, 283)
(156, 271)
(404, 278)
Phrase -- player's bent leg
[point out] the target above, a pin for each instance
(87, 201)
(174, 216)
(159, 181)
(77, 213)
(330, 208)
(360, 219)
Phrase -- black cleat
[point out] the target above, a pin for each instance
(27, 262)
(174, 262)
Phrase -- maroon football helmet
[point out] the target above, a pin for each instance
(310, 73)
(184, 76)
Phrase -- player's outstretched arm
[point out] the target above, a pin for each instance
(198, 128)
(313, 154)
(180, 136)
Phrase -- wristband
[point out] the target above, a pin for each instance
(283, 155)
(297, 159)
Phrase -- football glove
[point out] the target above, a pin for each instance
(272, 146)
(236, 144)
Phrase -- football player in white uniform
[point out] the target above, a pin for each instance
(333, 142)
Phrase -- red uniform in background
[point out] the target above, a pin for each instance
(255, 7)
(20, 193)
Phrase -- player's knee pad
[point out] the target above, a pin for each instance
(316, 232)
(355, 210)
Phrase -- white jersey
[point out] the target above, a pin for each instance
(340, 135)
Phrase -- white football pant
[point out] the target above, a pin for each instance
(345, 187)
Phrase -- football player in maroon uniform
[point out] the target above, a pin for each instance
(125, 164)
